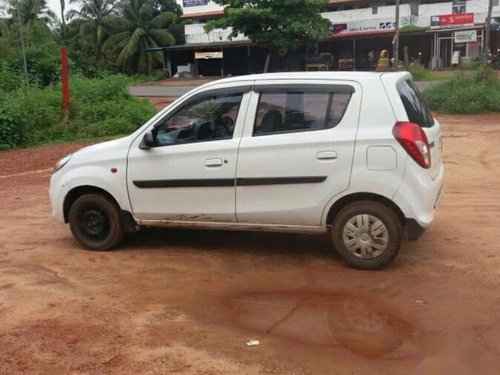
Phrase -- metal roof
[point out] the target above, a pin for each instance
(208, 46)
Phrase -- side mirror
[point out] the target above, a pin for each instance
(148, 141)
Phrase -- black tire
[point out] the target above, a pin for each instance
(375, 258)
(95, 222)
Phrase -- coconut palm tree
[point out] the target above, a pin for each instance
(92, 17)
(137, 31)
(32, 11)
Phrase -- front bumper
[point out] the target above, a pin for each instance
(56, 195)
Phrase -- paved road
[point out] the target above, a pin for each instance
(159, 90)
(181, 90)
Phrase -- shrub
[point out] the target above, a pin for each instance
(98, 108)
(419, 73)
(10, 80)
(476, 93)
(11, 130)
(43, 66)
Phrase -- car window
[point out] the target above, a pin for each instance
(204, 119)
(416, 108)
(284, 112)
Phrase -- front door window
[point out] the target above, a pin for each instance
(204, 119)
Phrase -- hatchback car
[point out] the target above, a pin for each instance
(356, 156)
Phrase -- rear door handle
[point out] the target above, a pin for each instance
(213, 163)
(326, 155)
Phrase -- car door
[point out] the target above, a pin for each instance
(296, 151)
(189, 174)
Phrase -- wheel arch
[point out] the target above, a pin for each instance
(78, 191)
(344, 201)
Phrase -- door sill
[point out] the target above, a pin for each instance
(236, 226)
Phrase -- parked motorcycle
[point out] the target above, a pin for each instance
(493, 60)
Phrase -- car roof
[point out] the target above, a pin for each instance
(344, 75)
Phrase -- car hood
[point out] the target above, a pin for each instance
(110, 150)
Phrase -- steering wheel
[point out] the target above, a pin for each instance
(202, 130)
(227, 122)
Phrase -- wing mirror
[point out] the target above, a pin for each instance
(148, 141)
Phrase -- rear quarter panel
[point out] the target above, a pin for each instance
(378, 163)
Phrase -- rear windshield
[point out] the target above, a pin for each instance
(416, 108)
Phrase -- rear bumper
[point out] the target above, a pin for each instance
(413, 229)
(418, 197)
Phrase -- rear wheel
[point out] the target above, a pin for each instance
(367, 234)
(95, 222)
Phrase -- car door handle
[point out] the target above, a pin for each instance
(326, 155)
(213, 163)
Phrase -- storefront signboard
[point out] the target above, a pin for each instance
(194, 3)
(341, 29)
(451, 20)
(208, 55)
(458, 6)
(466, 36)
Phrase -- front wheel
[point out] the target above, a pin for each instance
(95, 222)
(367, 234)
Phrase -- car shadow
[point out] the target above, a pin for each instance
(257, 243)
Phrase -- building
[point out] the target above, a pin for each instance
(437, 34)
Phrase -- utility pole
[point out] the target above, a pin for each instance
(396, 38)
(23, 48)
(487, 31)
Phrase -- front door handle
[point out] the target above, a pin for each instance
(326, 155)
(213, 163)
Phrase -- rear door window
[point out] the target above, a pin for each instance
(289, 111)
(416, 108)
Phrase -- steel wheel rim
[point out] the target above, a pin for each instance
(365, 236)
(94, 223)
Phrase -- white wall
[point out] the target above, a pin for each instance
(196, 34)
(356, 17)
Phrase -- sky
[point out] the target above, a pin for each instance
(55, 6)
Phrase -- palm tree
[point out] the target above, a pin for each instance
(138, 31)
(92, 18)
(32, 11)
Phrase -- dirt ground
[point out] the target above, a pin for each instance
(187, 301)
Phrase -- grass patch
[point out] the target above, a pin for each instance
(99, 108)
(419, 73)
(478, 92)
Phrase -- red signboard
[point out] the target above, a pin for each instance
(453, 19)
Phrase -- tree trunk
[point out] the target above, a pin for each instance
(63, 21)
(268, 60)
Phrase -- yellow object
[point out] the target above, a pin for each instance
(383, 61)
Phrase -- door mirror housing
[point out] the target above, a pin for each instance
(148, 141)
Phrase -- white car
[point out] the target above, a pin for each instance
(356, 156)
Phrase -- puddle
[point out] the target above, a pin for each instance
(356, 323)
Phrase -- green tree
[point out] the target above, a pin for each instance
(137, 31)
(163, 6)
(32, 11)
(92, 17)
(281, 26)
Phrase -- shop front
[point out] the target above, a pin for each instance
(358, 45)
(457, 40)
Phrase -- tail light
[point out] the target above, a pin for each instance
(414, 141)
